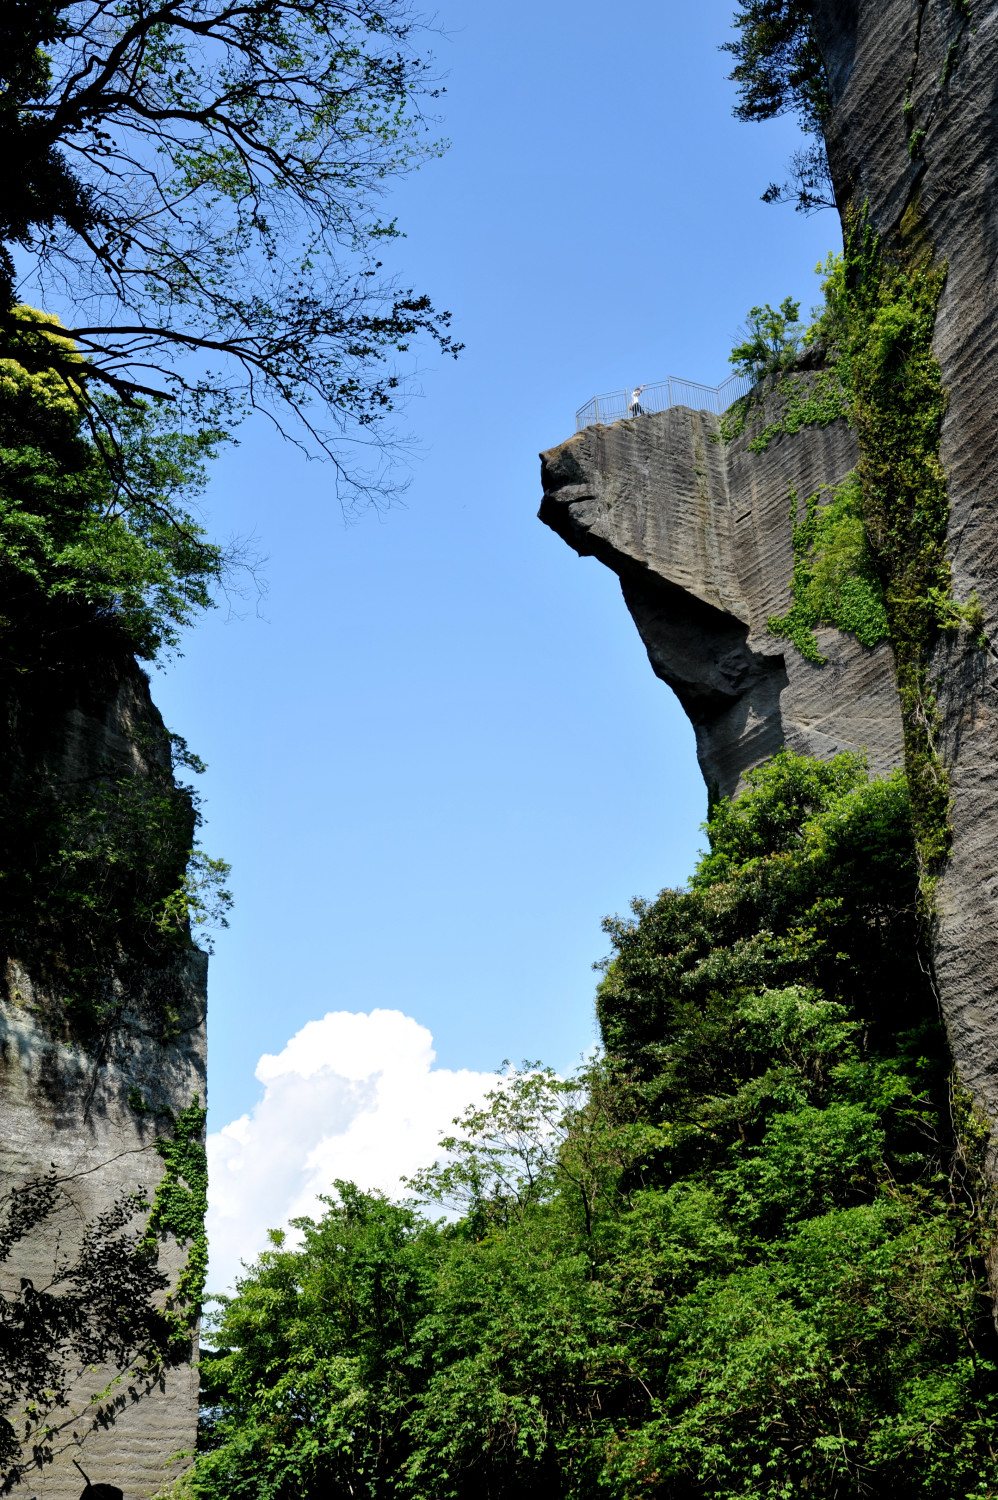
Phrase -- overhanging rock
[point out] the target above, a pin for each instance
(699, 533)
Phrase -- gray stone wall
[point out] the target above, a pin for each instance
(69, 1107)
(942, 201)
(71, 1104)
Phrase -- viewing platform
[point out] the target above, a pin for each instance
(613, 406)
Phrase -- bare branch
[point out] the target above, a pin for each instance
(200, 182)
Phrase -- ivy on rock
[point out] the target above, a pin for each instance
(834, 580)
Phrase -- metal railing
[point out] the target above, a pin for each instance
(672, 391)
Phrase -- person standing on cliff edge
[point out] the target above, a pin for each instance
(634, 406)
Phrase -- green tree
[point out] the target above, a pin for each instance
(94, 537)
(778, 64)
(779, 70)
(212, 174)
(317, 1359)
(772, 339)
(741, 1255)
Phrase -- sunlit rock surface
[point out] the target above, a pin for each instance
(72, 1105)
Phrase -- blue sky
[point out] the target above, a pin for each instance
(441, 756)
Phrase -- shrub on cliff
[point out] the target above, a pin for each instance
(101, 558)
(770, 341)
(741, 1255)
(97, 534)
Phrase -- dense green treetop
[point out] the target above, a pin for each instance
(741, 1255)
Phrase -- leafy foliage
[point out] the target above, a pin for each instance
(803, 399)
(882, 310)
(201, 181)
(811, 397)
(179, 1208)
(93, 535)
(772, 340)
(834, 580)
(874, 336)
(742, 1255)
(503, 1161)
(779, 69)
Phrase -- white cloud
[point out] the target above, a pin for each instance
(353, 1096)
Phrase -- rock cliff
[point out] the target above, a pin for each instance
(700, 535)
(913, 135)
(91, 1099)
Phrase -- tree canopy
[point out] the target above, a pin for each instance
(742, 1255)
(779, 70)
(200, 180)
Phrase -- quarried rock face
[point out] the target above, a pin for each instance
(92, 1105)
(699, 533)
(913, 138)
(70, 1108)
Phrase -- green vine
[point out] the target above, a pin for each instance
(872, 560)
(814, 401)
(807, 400)
(179, 1207)
(886, 307)
(834, 581)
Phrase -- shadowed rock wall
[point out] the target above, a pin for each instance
(71, 1104)
(699, 533)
